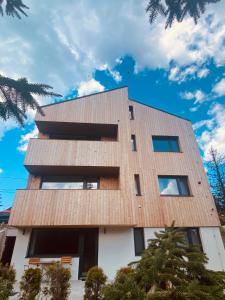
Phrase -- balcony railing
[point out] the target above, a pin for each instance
(69, 153)
(71, 208)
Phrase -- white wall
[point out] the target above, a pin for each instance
(213, 247)
(20, 251)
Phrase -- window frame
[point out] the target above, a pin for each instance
(137, 185)
(131, 112)
(137, 230)
(187, 231)
(85, 181)
(177, 177)
(168, 138)
(133, 143)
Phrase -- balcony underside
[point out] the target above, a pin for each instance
(68, 208)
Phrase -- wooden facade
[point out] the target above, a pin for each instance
(116, 204)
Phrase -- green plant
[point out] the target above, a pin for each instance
(94, 284)
(7, 280)
(59, 282)
(124, 287)
(30, 283)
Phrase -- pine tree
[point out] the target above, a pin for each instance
(216, 174)
(170, 269)
(16, 96)
(177, 9)
(13, 8)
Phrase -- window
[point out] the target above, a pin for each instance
(137, 185)
(139, 242)
(54, 242)
(131, 112)
(173, 186)
(73, 183)
(192, 236)
(165, 144)
(133, 143)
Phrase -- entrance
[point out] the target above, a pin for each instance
(88, 250)
(8, 250)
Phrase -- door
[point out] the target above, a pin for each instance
(88, 251)
(8, 250)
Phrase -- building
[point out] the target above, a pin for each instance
(106, 172)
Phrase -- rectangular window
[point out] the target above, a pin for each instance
(137, 185)
(139, 241)
(131, 112)
(165, 144)
(73, 183)
(54, 242)
(174, 186)
(133, 143)
(192, 237)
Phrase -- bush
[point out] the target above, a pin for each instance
(94, 284)
(124, 287)
(59, 281)
(30, 284)
(7, 280)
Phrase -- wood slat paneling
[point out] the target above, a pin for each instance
(148, 210)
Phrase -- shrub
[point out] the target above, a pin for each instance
(94, 284)
(7, 280)
(124, 287)
(59, 282)
(30, 284)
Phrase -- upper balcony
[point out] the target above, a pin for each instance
(49, 156)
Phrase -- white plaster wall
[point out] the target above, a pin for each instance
(20, 251)
(213, 247)
(115, 250)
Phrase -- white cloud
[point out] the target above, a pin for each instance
(214, 135)
(200, 124)
(90, 87)
(1, 171)
(24, 139)
(115, 74)
(219, 88)
(198, 96)
(203, 73)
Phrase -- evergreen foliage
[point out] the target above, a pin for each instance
(94, 284)
(30, 284)
(58, 278)
(16, 96)
(177, 9)
(169, 269)
(13, 8)
(7, 280)
(124, 287)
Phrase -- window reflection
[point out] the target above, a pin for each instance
(174, 185)
(165, 144)
(60, 182)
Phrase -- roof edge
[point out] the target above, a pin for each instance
(166, 112)
(85, 96)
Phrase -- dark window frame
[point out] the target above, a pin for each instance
(177, 177)
(137, 184)
(138, 249)
(169, 139)
(187, 231)
(133, 143)
(131, 112)
(84, 179)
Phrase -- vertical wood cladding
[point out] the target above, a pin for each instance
(148, 210)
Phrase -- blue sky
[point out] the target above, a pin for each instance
(83, 47)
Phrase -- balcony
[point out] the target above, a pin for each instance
(71, 208)
(48, 155)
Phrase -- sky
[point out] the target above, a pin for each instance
(84, 47)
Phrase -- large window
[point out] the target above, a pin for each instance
(174, 186)
(139, 242)
(165, 144)
(75, 183)
(54, 242)
(192, 237)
